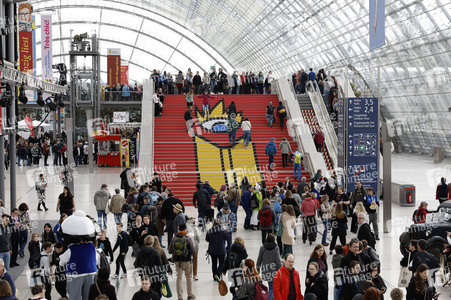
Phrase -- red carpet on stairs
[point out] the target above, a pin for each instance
(183, 159)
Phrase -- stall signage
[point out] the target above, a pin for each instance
(121, 117)
(125, 153)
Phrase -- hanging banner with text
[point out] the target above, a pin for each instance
(377, 24)
(46, 47)
(124, 74)
(125, 153)
(362, 142)
(113, 66)
(25, 25)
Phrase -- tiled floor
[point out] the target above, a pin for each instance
(419, 170)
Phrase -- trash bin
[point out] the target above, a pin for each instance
(407, 195)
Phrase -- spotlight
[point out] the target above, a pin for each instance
(50, 104)
(40, 101)
(59, 100)
(22, 97)
(5, 100)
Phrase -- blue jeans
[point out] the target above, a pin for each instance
(247, 220)
(229, 241)
(6, 258)
(234, 209)
(271, 159)
(297, 89)
(206, 109)
(232, 137)
(246, 137)
(269, 119)
(201, 218)
(287, 249)
(271, 295)
(101, 215)
(297, 167)
(118, 218)
(326, 223)
(337, 292)
(23, 240)
(212, 86)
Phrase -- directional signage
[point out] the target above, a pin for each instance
(362, 142)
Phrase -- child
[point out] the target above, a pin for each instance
(145, 292)
(338, 273)
(46, 271)
(104, 244)
(122, 244)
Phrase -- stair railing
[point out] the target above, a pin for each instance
(324, 121)
(294, 123)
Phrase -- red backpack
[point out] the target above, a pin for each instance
(261, 291)
(265, 217)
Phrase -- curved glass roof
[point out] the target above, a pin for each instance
(282, 36)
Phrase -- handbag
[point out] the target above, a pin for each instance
(107, 208)
(222, 288)
(166, 289)
(405, 276)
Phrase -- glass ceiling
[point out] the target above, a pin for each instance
(282, 36)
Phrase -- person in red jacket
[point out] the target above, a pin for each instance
(308, 208)
(319, 140)
(419, 215)
(282, 287)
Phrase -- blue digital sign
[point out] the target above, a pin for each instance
(362, 142)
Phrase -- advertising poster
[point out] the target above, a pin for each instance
(46, 48)
(124, 74)
(125, 153)
(25, 25)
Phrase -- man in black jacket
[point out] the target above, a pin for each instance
(122, 244)
(149, 260)
(355, 253)
(201, 201)
(168, 215)
(423, 257)
(145, 293)
(364, 230)
(197, 81)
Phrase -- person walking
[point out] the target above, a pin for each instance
(325, 212)
(168, 215)
(442, 193)
(288, 220)
(45, 152)
(101, 198)
(246, 126)
(117, 201)
(246, 204)
(182, 250)
(206, 102)
(267, 217)
(66, 203)
(268, 262)
(189, 118)
(270, 114)
(297, 160)
(371, 205)
(308, 208)
(41, 186)
(122, 244)
(287, 282)
(5, 241)
(228, 222)
(281, 114)
(216, 238)
(232, 127)
(271, 151)
(189, 98)
(285, 149)
(201, 201)
(339, 224)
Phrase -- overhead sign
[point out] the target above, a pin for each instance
(362, 142)
(377, 24)
(121, 117)
(46, 47)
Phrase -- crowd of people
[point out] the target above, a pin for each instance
(122, 92)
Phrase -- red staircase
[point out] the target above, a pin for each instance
(310, 119)
(182, 159)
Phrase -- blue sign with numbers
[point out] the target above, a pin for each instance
(362, 143)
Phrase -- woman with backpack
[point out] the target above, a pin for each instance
(268, 261)
(266, 216)
(281, 114)
(219, 201)
(216, 238)
(235, 255)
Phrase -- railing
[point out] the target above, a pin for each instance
(111, 96)
(324, 120)
(295, 121)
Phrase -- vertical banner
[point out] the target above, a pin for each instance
(124, 74)
(125, 153)
(377, 24)
(25, 37)
(133, 156)
(46, 47)
(113, 66)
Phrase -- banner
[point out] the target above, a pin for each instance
(377, 24)
(124, 75)
(133, 156)
(113, 66)
(46, 47)
(25, 25)
(125, 153)
(29, 122)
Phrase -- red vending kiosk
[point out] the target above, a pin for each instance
(109, 150)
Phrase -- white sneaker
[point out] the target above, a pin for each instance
(195, 277)
(123, 275)
(115, 276)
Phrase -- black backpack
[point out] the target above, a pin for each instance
(152, 212)
(234, 260)
(104, 262)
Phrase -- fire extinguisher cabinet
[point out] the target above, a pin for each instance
(404, 194)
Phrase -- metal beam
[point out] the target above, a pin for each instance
(147, 18)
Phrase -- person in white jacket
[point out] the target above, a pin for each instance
(246, 126)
